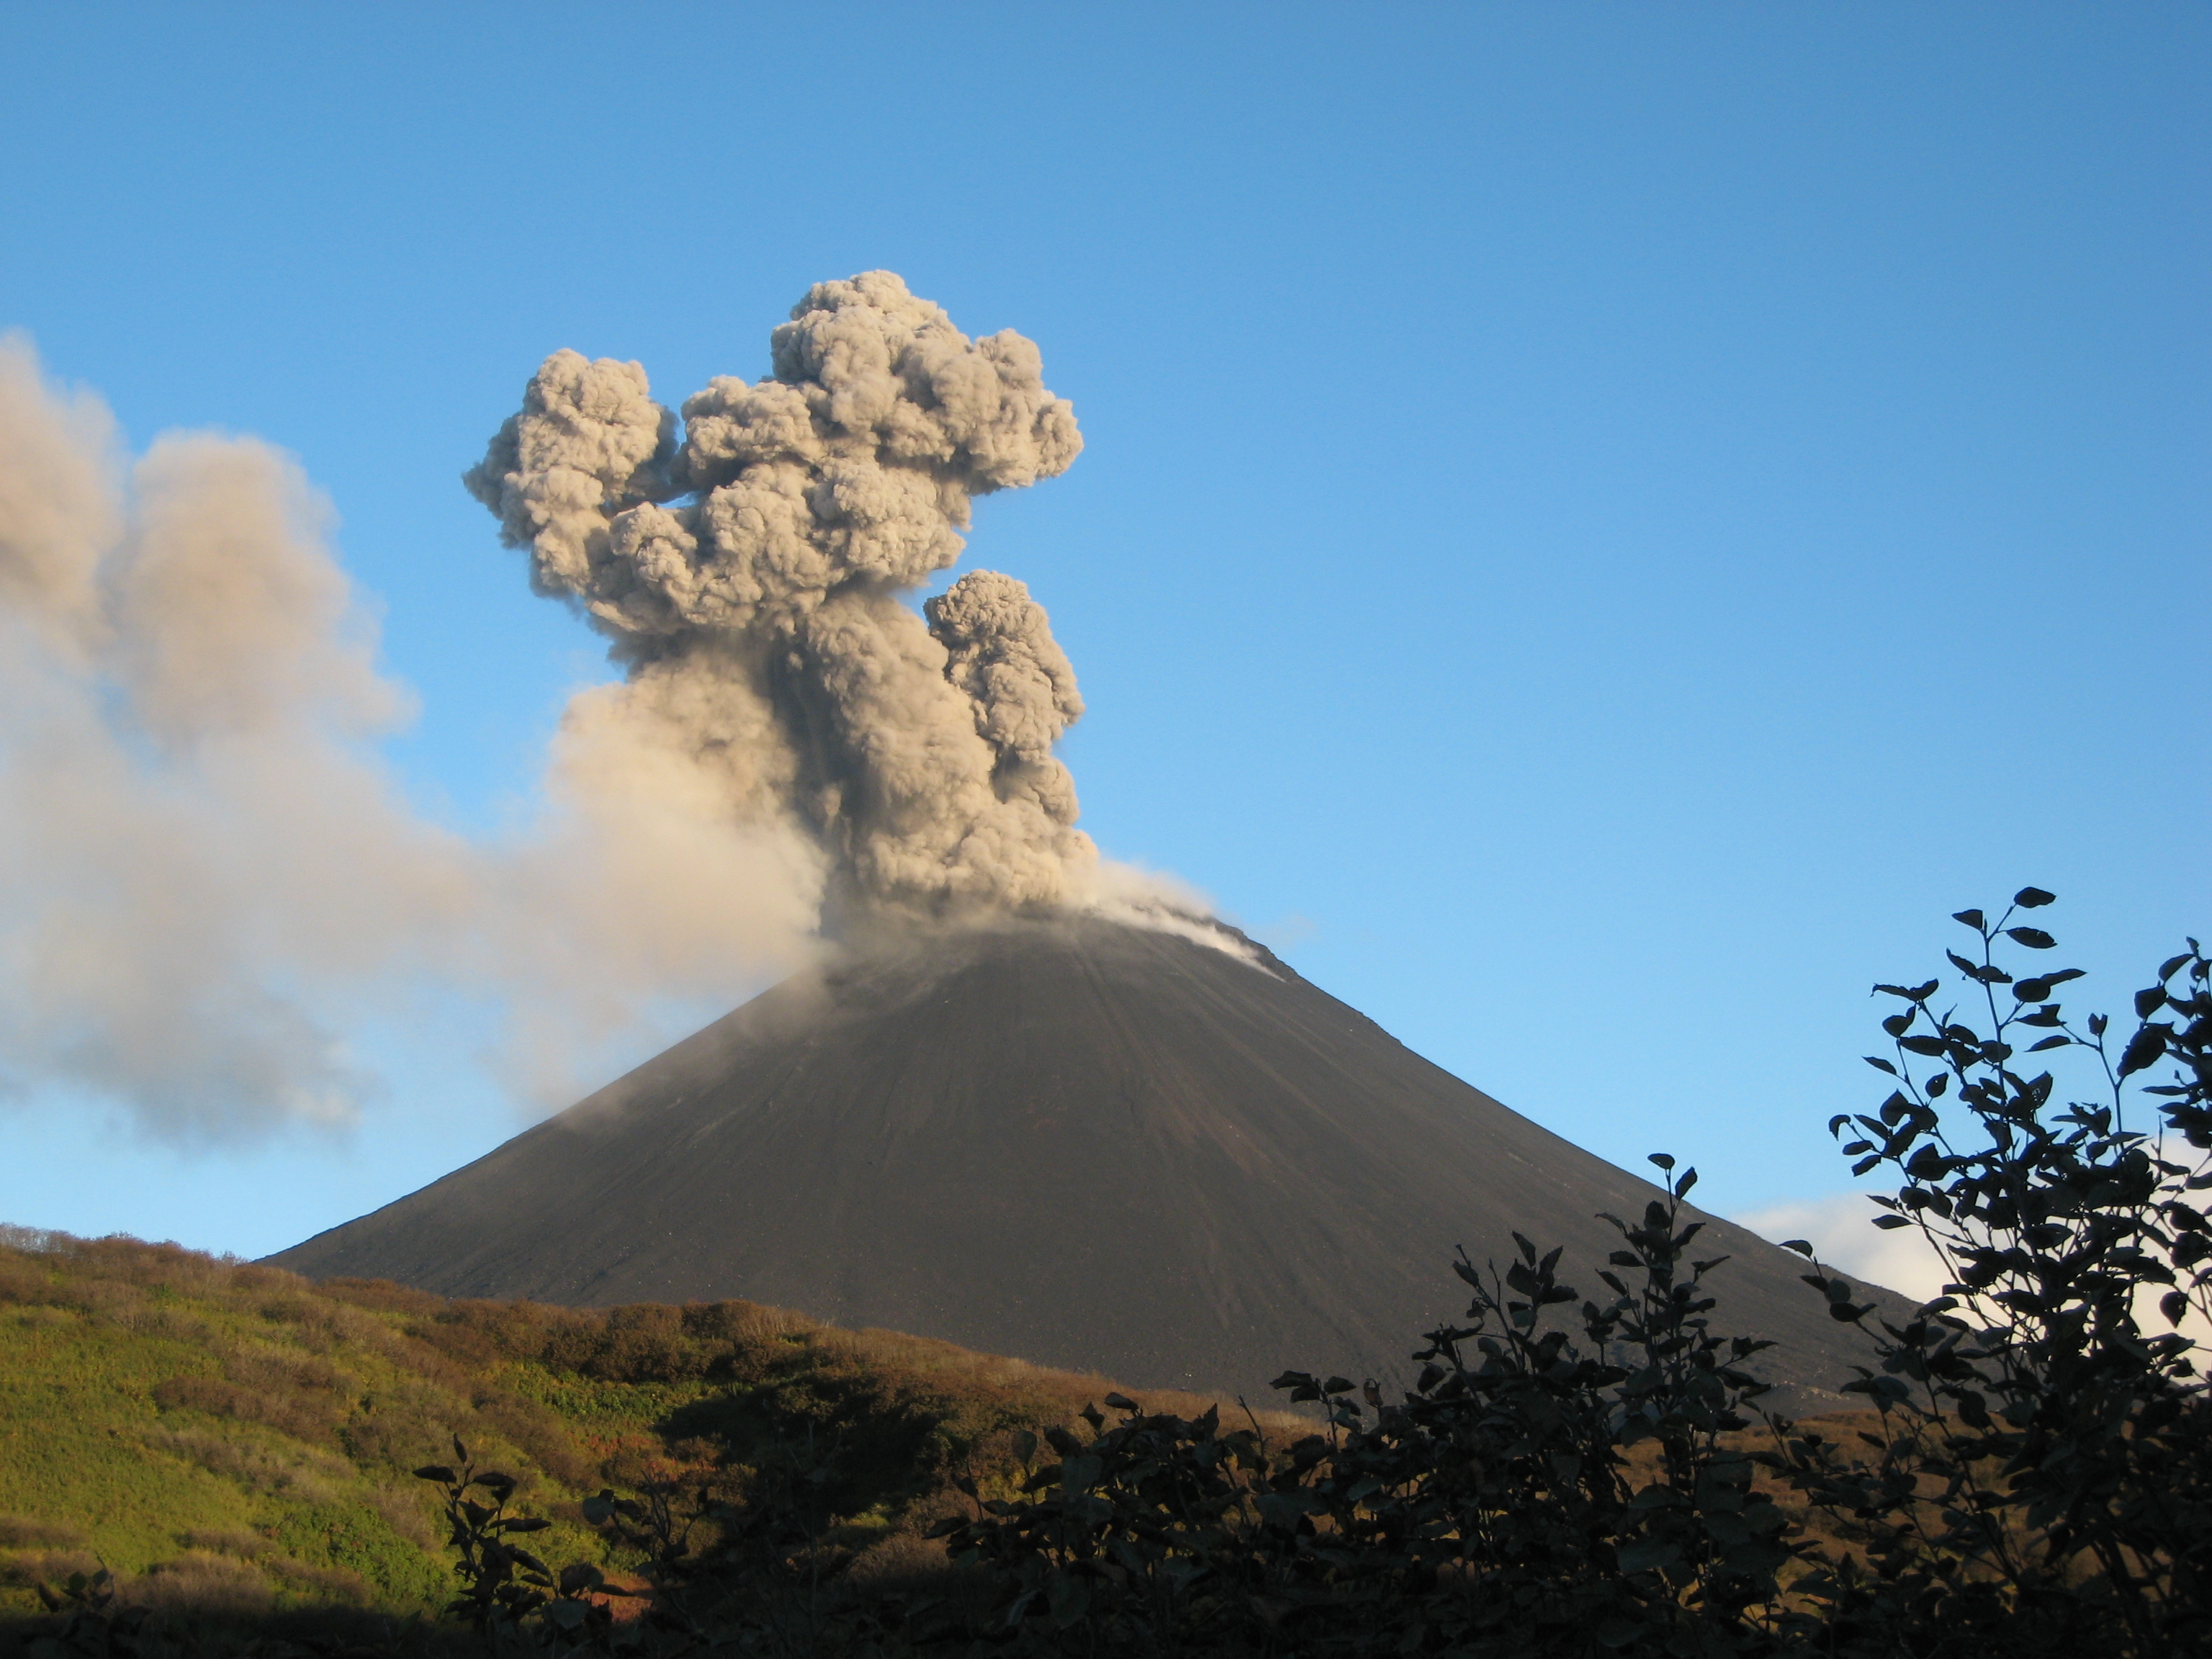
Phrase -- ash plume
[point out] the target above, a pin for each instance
(210, 882)
(207, 879)
(751, 576)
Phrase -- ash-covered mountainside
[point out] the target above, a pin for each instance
(1083, 1143)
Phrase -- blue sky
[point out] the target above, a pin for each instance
(1600, 526)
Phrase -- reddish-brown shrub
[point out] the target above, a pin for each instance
(199, 1584)
(19, 1532)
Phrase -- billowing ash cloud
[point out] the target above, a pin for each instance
(751, 577)
(208, 880)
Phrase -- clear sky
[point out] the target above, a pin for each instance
(1600, 526)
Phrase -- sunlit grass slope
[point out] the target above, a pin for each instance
(224, 1435)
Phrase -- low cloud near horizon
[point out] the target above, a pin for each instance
(1841, 1231)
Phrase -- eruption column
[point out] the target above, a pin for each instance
(751, 577)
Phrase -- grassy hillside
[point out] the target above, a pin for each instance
(229, 1436)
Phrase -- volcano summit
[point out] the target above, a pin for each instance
(1095, 1146)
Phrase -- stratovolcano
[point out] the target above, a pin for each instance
(1162, 1156)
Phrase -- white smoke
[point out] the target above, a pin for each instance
(205, 875)
(751, 577)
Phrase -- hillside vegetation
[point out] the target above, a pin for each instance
(222, 1435)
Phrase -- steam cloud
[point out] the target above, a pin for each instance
(761, 618)
(208, 878)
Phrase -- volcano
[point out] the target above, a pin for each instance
(1162, 1156)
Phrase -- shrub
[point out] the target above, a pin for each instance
(199, 1584)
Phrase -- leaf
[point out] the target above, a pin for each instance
(2144, 1050)
(1121, 1402)
(1973, 919)
(1664, 1160)
(1080, 1474)
(1646, 1554)
(1689, 1180)
(2034, 898)
(1890, 1224)
(2173, 1305)
(1911, 992)
(1928, 1046)
(2148, 1001)
(2031, 990)
(1880, 1065)
(2049, 1042)
(2034, 938)
(437, 1471)
(1803, 1246)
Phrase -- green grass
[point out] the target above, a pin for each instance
(75, 1451)
(216, 1432)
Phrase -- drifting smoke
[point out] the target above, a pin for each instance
(207, 878)
(761, 619)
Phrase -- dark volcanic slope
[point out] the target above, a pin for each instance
(1081, 1143)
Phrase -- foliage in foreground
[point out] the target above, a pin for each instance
(2033, 1473)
